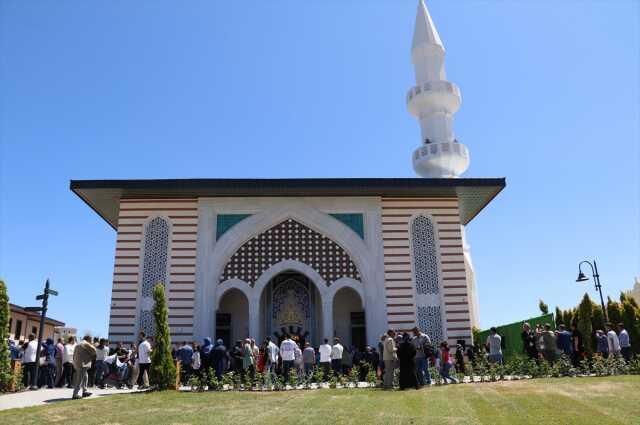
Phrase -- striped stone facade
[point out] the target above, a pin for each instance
(400, 280)
(182, 217)
(407, 302)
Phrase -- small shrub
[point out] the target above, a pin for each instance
(634, 365)
(318, 375)
(372, 377)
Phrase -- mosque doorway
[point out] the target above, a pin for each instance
(348, 318)
(291, 304)
(232, 318)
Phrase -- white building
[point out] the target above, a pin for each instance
(310, 257)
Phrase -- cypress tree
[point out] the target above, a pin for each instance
(163, 370)
(613, 311)
(5, 354)
(567, 317)
(544, 309)
(597, 322)
(559, 317)
(631, 320)
(585, 315)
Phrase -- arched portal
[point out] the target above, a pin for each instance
(291, 304)
(232, 317)
(348, 318)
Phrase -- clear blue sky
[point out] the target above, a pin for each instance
(161, 89)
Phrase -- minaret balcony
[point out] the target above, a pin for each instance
(445, 159)
(433, 96)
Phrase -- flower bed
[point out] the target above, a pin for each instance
(516, 369)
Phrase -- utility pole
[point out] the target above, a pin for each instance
(43, 314)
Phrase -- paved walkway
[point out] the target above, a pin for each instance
(46, 396)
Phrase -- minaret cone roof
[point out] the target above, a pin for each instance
(425, 31)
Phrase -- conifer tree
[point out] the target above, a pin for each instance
(559, 318)
(597, 322)
(163, 370)
(585, 315)
(544, 309)
(631, 320)
(5, 355)
(567, 317)
(613, 312)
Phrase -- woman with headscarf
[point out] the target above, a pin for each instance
(406, 356)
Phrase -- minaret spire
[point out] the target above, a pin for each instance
(433, 101)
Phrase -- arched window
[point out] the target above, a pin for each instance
(427, 278)
(156, 246)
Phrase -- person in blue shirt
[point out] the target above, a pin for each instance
(15, 350)
(185, 356)
(563, 341)
(602, 345)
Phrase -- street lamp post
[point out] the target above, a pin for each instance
(596, 280)
(43, 314)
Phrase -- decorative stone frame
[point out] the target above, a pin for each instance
(421, 300)
(267, 212)
(143, 239)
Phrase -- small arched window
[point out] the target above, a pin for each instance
(156, 246)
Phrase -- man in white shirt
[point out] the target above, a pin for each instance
(325, 357)
(336, 356)
(144, 361)
(30, 362)
(67, 361)
(270, 359)
(612, 341)
(288, 354)
(102, 351)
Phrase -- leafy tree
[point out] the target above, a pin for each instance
(5, 354)
(163, 370)
(613, 311)
(559, 317)
(585, 314)
(544, 309)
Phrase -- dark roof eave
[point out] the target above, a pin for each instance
(108, 191)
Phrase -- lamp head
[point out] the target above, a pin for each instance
(581, 277)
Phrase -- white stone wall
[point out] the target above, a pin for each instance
(313, 212)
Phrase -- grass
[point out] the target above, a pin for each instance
(606, 400)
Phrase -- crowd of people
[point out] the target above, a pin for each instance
(82, 365)
(411, 353)
(544, 343)
(92, 362)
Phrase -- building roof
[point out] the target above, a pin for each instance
(35, 315)
(103, 196)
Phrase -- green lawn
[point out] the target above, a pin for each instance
(610, 400)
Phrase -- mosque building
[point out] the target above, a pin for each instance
(315, 258)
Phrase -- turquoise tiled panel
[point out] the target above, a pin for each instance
(354, 221)
(227, 221)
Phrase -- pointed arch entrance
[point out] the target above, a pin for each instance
(291, 304)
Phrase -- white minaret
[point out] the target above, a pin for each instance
(433, 101)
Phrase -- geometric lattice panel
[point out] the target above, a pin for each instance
(425, 257)
(154, 271)
(290, 240)
(430, 322)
